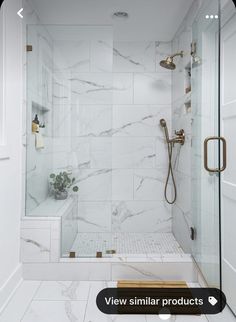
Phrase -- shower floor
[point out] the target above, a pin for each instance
(88, 244)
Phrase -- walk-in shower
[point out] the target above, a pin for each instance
(107, 106)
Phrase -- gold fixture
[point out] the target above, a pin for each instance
(99, 254)
(168, 63)
(212, 138)
(29, 48)
(72, 254)
(179, 138)
(111, 251)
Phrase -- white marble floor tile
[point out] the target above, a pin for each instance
(55, 311)
(63, 290)
(225, 316)
(19, 302)
(54, 302)
(92, 313)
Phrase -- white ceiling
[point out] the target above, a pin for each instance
(148, 19)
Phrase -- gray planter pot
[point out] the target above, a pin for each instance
(61, 195)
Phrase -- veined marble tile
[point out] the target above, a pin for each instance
(161, 154)
(163, 50)
(153, 271)
(93, 120)
(55, 311)
(94, 185)
(122, 184)
(101, 56)
(134, 56)
(181, 228)
(122, 88)
(94, 216)
(62, 121)
(93, 314)
(36, 189)
(72, 55)
(81, 149)
(61, 90)
(91, 88)
(92, 153)
(19, 301)
(62, 291)
(133, 152)
(61, 161)
(101, 152)
(139, 120)
(61, 144)
(183, 183)
(141, 216)
(35, 245)
(148, 184)
(152, 88)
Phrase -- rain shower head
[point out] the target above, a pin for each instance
(168, 63)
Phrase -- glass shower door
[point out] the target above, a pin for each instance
(205, 153)
(69, 107)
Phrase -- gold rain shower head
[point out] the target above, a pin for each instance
(168, 63)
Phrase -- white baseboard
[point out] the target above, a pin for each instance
(10, 286)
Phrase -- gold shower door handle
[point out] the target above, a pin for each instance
(213, 138)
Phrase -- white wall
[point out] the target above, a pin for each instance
(10, 168)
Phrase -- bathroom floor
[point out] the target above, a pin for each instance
(59, 301)
(87, 244)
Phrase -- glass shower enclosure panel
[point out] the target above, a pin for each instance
(69, 117)
(205, 154)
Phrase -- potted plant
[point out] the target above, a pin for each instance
(61, 183)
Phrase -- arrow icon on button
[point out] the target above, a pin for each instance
(19, 13)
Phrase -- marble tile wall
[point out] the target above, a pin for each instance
(40, 240)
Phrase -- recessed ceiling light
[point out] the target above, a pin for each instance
(120, 15)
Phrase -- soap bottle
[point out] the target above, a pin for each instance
(35, 124)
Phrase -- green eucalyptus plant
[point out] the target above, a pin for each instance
(61, 183)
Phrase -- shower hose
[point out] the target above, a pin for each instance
(170, 174)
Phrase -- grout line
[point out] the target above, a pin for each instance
(28, 306)
(86, 308)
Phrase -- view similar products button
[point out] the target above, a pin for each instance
(161, 301)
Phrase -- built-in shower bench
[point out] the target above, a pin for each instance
(49, 230)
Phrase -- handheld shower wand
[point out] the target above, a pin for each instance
(180, 138)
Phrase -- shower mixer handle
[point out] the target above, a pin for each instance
(179, 138)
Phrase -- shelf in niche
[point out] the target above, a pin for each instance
(40, 108)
